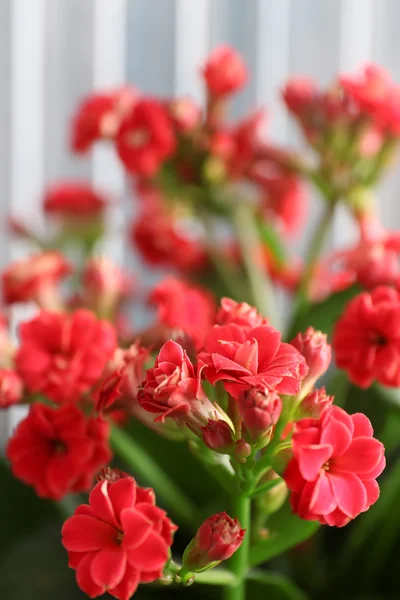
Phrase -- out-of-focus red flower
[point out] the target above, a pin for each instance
(62, 356)
(73, 200)
(11, 388)
(105, 285)
(283, 199)
(299, 95)
(251, 358)
(240, 313)
(332, 475)
(184, 307)
(118, 540)
(259, 413)
(58, 450)
(35, 278)
(314, 347)
(224, 71)
(6, 346)
(216, 540)
(366, 338)
(162, 242)
(99, 115)
(185, 114)
(146, 137)
(314, 404)
(375, 95)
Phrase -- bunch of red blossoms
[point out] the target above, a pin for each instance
(218, 205)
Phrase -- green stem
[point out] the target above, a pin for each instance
(239, 561)
(260, 284)
(217, 577)
(148, 469)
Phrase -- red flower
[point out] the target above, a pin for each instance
(239, 313)
(259, 413)
(58, 450)
(185, 113)
(224, 71)
(318, 353)
(106, 285)
(164, 242)
(146, 138)
(63, 356)
(185, 307)
(216, 540)
(366, 338)
(314, 404)
(99, 116)
(73, 200)
(246, 358)
(34, 279)
(118, 540)
(11, 388)
(284, 200)
(334, 467)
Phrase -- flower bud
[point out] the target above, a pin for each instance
(259, 413)
(11, 388)
(216, 540)
(315, 403)
(218, 436)
(274, 498)
(224, 72)
(313, 346)
(242, 451)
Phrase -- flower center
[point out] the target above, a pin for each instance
(380, 340)
(326, 466)
(137, 138)
(120, 537)
(59, 447)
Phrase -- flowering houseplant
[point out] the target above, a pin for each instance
(211, 402)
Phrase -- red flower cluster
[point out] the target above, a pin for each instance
(62, 356)
(58, 450)
(73, 200)
(118, 540)
(332, 475)
(184, 307)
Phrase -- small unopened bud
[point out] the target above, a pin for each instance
(315, 403)
(259, 413)
(111, 475)
(273, 499)
(11, 388)
(313, 346)
(242, 451)
(216, 540)
(218, 436)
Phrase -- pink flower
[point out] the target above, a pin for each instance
(332, 475)
(366, 338)
(99, 115)
(245, 358)
(118, 540)
(224, 71)
(62, 356)
(216, 540)
(184, 307)
(73, 200)
(146, 138)
(35, 279)
(185, 113)
(106, 285)
(239, 313)
(314, 347)
(58, 450)
(259, 413)
(11, 388)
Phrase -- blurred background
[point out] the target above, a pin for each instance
(53, 52)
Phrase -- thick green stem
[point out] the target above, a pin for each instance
(260, 284)
(240, 560)
(145, 467)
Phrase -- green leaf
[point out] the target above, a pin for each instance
(272, 240)
(273, 586)
(286, 531)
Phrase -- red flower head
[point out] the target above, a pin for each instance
(314, 404)
(284, 200)
(118, 540)
(73, 200)
(106, 285)
(246, 358)
(216, 540)
(239, 313)
(318, 353)
(63, 356)
(366, 338)
(224, 72)
(163, 242)
(259, 413)
(146, 138)
(334, 467)
(35, 279)
(99, 116)
(300, 94)
(11, 388)
(184, 307)
(58, 450)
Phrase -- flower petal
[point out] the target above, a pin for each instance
(84, 577)
(362, 456)
(151, 555)
(362, 425)
(322, 501)
(312, 458)
(122, 494)
(128, 584)
(108, 566)
(350, 493)
(101, 504)
(136, 527)
(337, 435)
(81, 533)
